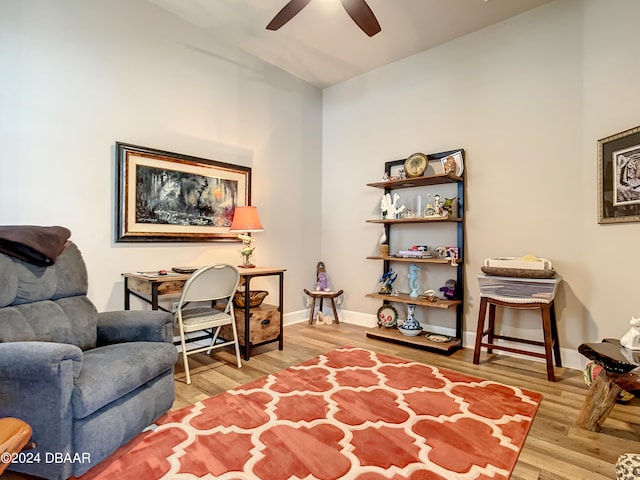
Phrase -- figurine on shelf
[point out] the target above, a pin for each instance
(323, 283)
(449, 289)
(414, 283)
(387, 280)
(437, 206)
(428, 210)
(450, 205)
(441, 252)
(389, 206)
(322, 279)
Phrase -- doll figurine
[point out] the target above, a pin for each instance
(449, 289)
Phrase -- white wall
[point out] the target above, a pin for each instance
(527, 99)
(79, 75)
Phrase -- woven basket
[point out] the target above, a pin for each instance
(255, 298)
(519, 272)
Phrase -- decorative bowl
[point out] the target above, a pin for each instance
(255, 298)
(410, 332)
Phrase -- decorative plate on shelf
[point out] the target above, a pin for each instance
(415, 165)
(438, 338)
(387, 316)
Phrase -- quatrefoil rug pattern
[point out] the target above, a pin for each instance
(348, 414)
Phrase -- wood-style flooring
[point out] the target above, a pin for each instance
(554, 449)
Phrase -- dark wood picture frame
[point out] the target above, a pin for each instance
(619, 177)
(171, 197)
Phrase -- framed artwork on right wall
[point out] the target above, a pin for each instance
(619, 177)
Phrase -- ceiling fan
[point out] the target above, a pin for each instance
(358, 10)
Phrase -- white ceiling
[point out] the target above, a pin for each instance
(323, 46)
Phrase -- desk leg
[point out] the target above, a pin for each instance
(154, 296)
(281, 308)
(127, 304)
(247, 319)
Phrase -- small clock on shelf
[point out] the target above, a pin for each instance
(415, 165)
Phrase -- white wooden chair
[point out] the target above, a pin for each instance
(211, 283)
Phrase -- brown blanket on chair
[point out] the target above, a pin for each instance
(34, 244)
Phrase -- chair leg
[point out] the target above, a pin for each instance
(214, 337)
(548, 340)
(185, 358)
(492, 326)
(554, 334)
(236, 342)
(480, 329)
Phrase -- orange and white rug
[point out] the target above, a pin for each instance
(348, 414)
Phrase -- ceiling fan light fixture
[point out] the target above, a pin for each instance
(362, 15)
(358, 10)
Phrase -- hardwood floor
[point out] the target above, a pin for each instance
(554, 449)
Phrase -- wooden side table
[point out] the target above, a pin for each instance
(14, 437)
(549, 328)
(620, 371)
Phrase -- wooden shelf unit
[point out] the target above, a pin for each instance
(424, 181)
(442, 261)
(409, 300)
(393, 335)
(391, 221)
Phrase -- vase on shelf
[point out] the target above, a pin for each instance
(410, 327)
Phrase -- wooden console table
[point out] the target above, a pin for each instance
(148, 287)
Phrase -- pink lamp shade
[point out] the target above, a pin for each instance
(245, 219)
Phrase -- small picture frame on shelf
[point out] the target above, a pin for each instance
(453, 164)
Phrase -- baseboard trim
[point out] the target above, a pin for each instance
(570, 358)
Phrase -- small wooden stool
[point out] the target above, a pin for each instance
(322, 295)
(549, 328)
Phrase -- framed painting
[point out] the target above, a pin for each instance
(171, 197)
(619, 177)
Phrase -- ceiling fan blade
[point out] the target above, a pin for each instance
(360, 12)
(289, 11)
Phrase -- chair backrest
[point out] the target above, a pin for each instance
(47, 304)
(212, 282)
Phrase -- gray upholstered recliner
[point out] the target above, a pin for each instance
(86, 382)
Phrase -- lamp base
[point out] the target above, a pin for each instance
(246, 263)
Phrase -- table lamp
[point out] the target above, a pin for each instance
(245, 220)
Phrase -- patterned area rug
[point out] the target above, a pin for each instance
(348, 414)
